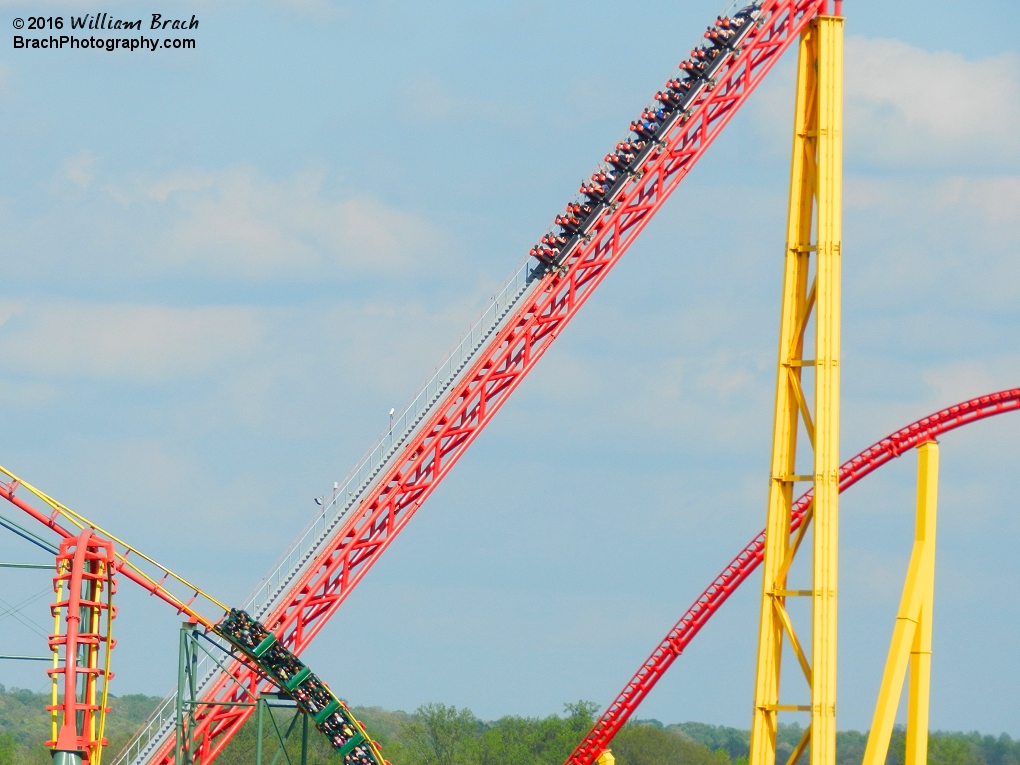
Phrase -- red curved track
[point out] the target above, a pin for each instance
(741, 567)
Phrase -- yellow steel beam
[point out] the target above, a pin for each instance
(829, 199)
(911, 640)
(920, 655)
(54, 679)
(81, 522)
(811, 290)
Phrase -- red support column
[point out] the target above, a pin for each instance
(85, 567)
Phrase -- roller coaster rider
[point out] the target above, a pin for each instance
(600, 186)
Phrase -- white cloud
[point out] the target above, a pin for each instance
(124, 342)
(426, 99)
(8, 309)
(429, 100)
(991, 201)
(963, 380)
(951, 238)
(240, 222)
(176, 183)
(80, 169)
(31, 395)
(645, 397)
(234, 223)
(318, 10)
(905, 104)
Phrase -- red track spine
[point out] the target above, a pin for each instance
(470, 405)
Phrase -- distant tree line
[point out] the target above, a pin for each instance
(25, 725)
(436, 734)
(943, 748)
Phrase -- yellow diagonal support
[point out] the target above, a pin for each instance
(811, 290)
(802, 406)
(81, 522)
(911, 641)
(784, 619)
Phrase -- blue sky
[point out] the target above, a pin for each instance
(224, 266)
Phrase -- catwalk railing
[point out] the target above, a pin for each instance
(316, 575)
(347, 494)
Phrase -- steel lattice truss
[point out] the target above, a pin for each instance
(510, 355)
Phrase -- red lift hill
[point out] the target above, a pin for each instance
(229, 665)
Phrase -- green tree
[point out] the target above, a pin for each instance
(510, 741)
(951, 749)
(439, 735)
(7, 748)
(529, 741)
(733, 741)
(649, 745)
(850, 747)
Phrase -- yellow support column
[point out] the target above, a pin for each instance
(911, 641)
(829, 199)
(606, 758)
(811, 289)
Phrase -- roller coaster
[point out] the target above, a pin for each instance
(254, 650)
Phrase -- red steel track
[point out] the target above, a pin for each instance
(512, 353)
(741, 567)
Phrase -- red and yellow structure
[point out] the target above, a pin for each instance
(797, 618)
(81, 643)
